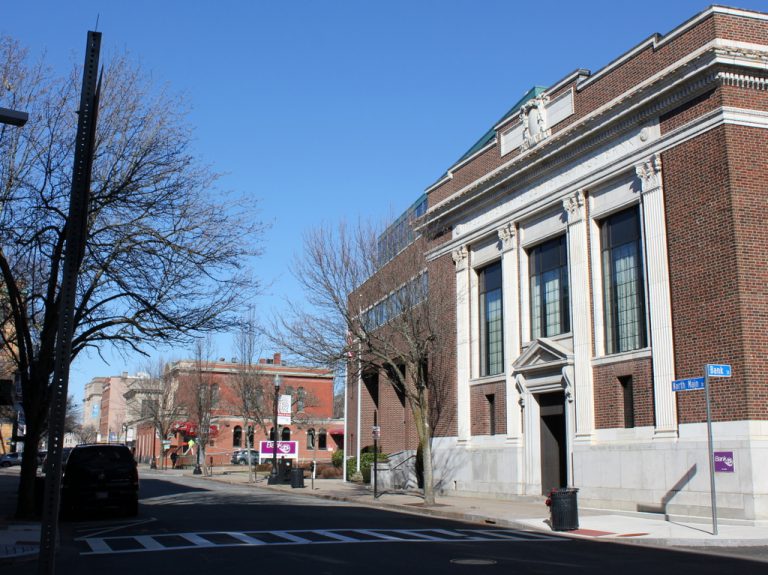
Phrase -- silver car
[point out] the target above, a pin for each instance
(10, 459)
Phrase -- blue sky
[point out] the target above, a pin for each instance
(321, 110)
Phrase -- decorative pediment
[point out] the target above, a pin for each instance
(542, 355)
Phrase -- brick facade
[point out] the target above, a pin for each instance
(671, 135)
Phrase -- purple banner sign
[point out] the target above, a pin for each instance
(287, 449)
(724, 461)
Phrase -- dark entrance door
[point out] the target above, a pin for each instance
(553, 447)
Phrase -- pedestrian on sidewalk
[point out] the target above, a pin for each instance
(174, 457)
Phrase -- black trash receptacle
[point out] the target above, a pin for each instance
(297, 477)
(564, 509)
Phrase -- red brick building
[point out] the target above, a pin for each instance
(605, 238)
(312, 425)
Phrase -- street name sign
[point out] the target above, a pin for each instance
(688, 384)
(715, 370)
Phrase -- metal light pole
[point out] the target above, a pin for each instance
(274, 479)
(153, 463)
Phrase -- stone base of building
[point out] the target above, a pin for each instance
(620, 470)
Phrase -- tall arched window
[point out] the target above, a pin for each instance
(322, 439)
(271, 433)
(237, 436)
(300, 395)
(310, 439)
(286, 434)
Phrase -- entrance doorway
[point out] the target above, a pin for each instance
(554, 472)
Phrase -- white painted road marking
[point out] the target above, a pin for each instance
(147, 543)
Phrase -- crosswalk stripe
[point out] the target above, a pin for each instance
(197, 540)
(149, 542)
(291, 537)
(245, 538)
(98, 545)
(145, 543)
(337, 536)
(374, 533)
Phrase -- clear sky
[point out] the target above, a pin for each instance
(321, 110)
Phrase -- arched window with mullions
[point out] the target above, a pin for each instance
(310, 439)
(237, 436)
(322, 439)
(286, 434)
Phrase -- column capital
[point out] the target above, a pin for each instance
(649, 173)
(574, 206)
(507, 237)
(460, 258)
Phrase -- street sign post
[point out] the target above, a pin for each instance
(688, 384)
(713, 370)
(694, 383)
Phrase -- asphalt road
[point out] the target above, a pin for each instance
(189, 525)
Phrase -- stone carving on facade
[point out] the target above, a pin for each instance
(507, 237)
(573, 205)
(649, 173)
(533, 116)
(460, 257)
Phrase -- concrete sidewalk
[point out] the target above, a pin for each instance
(531, 513)
(19, 540)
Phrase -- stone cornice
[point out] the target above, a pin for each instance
(680, 81)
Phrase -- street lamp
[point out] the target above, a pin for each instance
(13, 117)
(273, 477)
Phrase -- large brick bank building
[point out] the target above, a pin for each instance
(606, 237)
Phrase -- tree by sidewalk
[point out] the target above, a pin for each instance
(381, 317)
(249, 384)
(165, 260)
(153, 400)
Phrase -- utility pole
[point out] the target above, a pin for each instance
(77, 230)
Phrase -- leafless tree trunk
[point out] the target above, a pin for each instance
(249, 384)
(165, 259)
(85, 433)
(153, 400)
(204, 397)
(382, 317)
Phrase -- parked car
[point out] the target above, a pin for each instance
(10, 459)
(240, 457)
(100, 476)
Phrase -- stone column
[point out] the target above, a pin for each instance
(463, 347)
(510, 290)
(578, 271)
(659, 300)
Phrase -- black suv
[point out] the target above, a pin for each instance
(99, 476)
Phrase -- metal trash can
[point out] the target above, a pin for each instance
(564, 509)
(297, 477)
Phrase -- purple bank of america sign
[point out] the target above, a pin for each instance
(724, 461)
(287, 449)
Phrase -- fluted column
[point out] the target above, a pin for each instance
(512, 344)
(578, 270)
(659, 301)
(463, 347)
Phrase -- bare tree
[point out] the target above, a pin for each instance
(85, 433)
(382, 317)
(153, 400)
(249, 384)
(165, 260)
(200, 395)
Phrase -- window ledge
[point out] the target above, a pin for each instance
(498, 378)
(625, 356)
